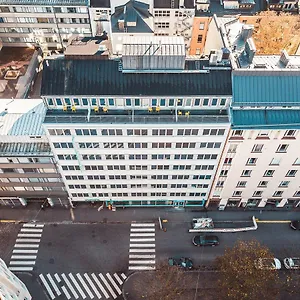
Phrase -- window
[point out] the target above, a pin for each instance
(263, 183)
(205, 102)
(277, 193)
(263, 133)
(197, 102)
(223, 172)
(257, 193)
(241, 183)
(102, 101)
(297, 194)
(282, 148)
(214, 102)
(251, 161)
(137, 102)
(297, 161)
(232, 148)
(269, 173)
(237, 193)
(291, 173)
(223, 102)
(111, 102)
(199, 39)
(275, 161)
(257, 148)
(171, 102)
(162, 24)
(284, 183)
(290, 133)
(228, 161)
(246, 173)
(201, 26)
(128, 102)
(237, 133)
(162, 102)
(220, 183)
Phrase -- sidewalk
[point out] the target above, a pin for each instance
(90, 214)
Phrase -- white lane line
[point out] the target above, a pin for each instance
(54, 285)
(142, 234)
(31, 230)
(141, 250)
(33, 225)
(143, 240)
(65, 278)
(47, 286)
(142, 229)
(92, 285)
(23, 257)
(100, 286)
(118, 278)
(142, 256)
(57, 277)
(108, 286)
(66, 292)
(142, 262)
(77, 286)
(141, 268)
(123, 276)
(15, 263)
(31, 235)
(142, 224)
(28, 240)
(85, 286)
(21, 268)
(113, 283)
(26, 246)
(141, 245)
(25, 251)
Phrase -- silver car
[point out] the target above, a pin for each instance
(292, 263)
(268, 264)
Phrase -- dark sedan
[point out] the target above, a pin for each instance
(295, 225)
(205, 240)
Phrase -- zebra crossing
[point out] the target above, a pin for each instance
(86, 286)
(25, 250)
(142, 246)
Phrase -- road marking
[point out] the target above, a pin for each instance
(142, 240)
(144, 268)
(33, 225)
(141, 245)
(142, 262)
(21, 268)
(47, 286)
(123, 276)
(142, 234)
(142, 256)
(85, 286)
(65, 278)
(57, 277)
(28, 240)
(108, 286)
(33, 235)
(26, 246)
(32, 262)
(100, 286)
(92, 285)
(23, 257)
(141, 250)
(24, 251)
(66, 292)
(142, 229)
(118, 278)
(31, 230)
(77, 286)
(142, 224)
(54, 285)
(272, 221)
(113, 283)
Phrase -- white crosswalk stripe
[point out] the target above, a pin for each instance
(27, 243)
(142, 244)
(83, 285)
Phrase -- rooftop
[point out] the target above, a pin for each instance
(265, 118)
(46, 2)
(22, 117)
(14, 64)
(168, 4)
(100, 3)
(90, 77)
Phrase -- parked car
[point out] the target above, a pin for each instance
(295, 225)
(205, 240)
(292, 263)
(268, 264)
(183, 262)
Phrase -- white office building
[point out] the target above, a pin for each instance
(135, 132)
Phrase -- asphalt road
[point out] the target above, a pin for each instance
(104, 248)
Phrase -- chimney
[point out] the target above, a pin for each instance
(121, 25)
(284, 57)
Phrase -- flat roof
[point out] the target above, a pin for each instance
(100, 3)
(168, 4)
(90, 77)
(46, 2)
(22, 117)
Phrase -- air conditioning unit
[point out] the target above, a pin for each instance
(213, 59)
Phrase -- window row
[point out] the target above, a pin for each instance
(260, 194)
(265, 133)
(42, 9)
(134, 194)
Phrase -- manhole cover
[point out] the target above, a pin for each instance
(51, 261)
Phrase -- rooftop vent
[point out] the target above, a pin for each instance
(247, 31)
(284, 58)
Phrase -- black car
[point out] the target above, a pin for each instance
(205, 240)
(183, 262)
(295, 225)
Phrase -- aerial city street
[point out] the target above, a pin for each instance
(149, 149)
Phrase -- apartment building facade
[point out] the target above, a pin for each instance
(140, 137)
(47, 24)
